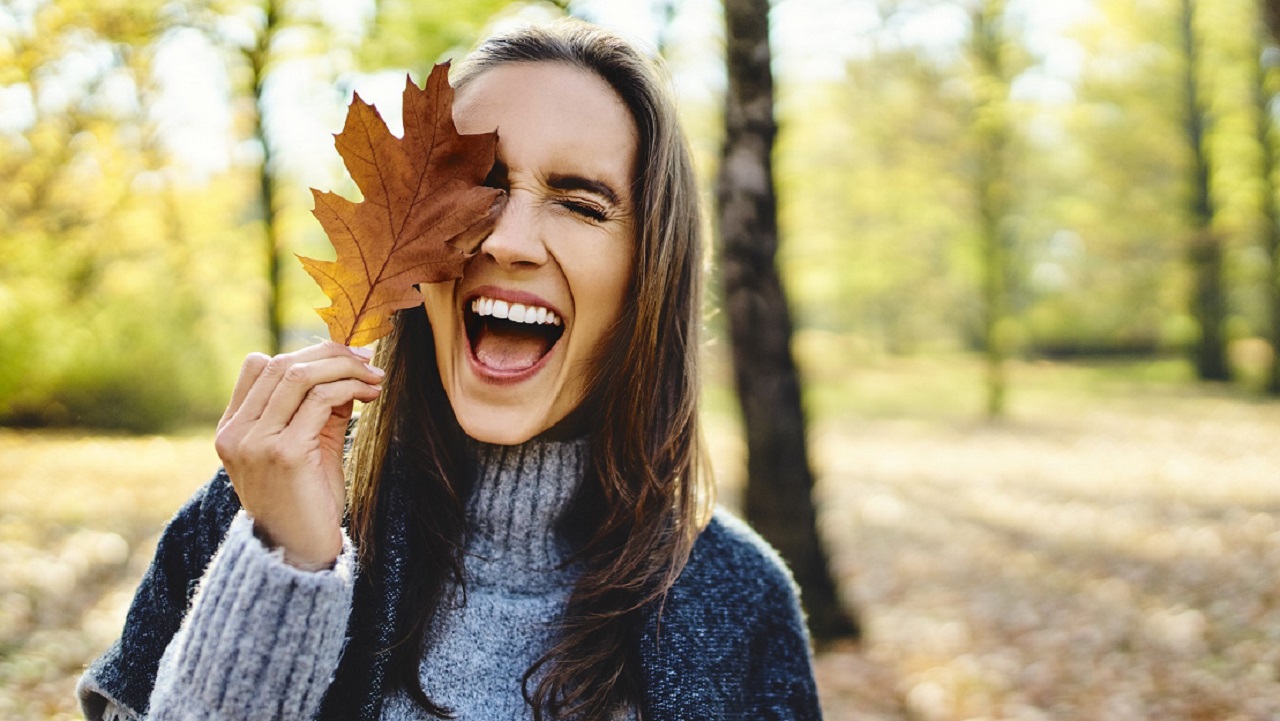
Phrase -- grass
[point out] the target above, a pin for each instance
(1109, 551)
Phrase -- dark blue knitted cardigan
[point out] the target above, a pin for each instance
(731, 643)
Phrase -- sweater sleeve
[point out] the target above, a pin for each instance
(262, 639)
(729, 639)
(781, 684)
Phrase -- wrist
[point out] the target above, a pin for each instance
(303, 559)
(310, 563)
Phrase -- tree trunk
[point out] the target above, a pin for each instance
(1268, 39)
(779, 499)
(1208, 301)
(991, 128)
(259, 58)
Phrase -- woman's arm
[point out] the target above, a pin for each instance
(281, 443)
(262, 640)
(780, 684)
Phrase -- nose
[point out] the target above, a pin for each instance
(516, 241)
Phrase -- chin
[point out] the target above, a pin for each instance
(498, 426)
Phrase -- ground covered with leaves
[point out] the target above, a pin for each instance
(1110, 552)
(1107, 555)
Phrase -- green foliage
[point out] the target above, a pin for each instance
(130, 290)
(130, 395)
(90, 301)
(416, 35)
(872, 208)
(879, 214)
(116, 341)
(128, 281)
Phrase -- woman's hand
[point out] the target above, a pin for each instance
(281, 442)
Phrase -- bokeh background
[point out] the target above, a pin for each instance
(1099, 544)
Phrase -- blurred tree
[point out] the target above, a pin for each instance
(259, 56)
(92, 284)
(870, 171)
(779, 501)
(876, 168)
(259, 36)
(1108, 275)
(1208, 299)
(1266, 94)
(1105, 279)
(992, 130)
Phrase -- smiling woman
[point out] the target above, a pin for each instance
(522, 528)
(564, 243)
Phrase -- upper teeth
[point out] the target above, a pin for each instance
(516, 312)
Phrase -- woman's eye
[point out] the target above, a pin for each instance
(586, 210)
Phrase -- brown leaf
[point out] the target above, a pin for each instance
(423, 213)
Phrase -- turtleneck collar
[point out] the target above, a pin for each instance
(519, 494)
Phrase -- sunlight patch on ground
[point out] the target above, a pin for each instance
(1118, 563)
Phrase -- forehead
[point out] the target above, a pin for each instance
(551, 117)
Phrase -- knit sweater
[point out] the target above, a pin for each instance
(730, 643)
(516, 586)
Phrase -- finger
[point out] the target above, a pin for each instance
(260, 394)
(302, 378)
(249, 372)
(319, 404)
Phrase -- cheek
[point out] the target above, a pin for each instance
(614, 290)
(600, 294)
(614, 278)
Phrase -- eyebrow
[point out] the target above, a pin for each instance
(577, 182)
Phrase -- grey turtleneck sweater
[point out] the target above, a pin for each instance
(262, 639)
(516, 587)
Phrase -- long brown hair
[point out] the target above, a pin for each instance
(647, 494)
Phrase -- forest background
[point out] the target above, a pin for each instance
(134, 227)
(1050, 213)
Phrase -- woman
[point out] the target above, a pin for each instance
(527, 531)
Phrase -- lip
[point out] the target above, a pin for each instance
(499, 377)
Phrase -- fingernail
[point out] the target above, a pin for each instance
(375, 370)
(361, 351)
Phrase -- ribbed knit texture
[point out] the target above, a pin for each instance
(483, 641)
(519, 497)
(727, 642)
(262, 639)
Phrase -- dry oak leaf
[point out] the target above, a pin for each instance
(424, 210)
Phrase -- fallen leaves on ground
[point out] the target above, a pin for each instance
(79, 518)
(1117, 563)
(1114, 565)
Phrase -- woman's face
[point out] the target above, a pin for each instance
(519, 334)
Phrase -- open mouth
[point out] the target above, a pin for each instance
(510, 337)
